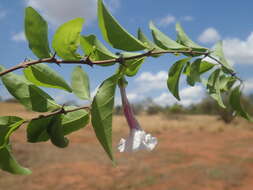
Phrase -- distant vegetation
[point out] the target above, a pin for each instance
(206, 106)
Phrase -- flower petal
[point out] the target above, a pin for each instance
(137, 140)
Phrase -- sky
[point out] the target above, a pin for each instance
(205, 22)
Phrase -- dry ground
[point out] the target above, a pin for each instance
(194, 153)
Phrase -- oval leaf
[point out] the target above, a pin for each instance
(67, 39)
(183, 39)
(163, 41)
(174, 76)
(150, 45)
(43, 75)
(8, 124)
(218, 52)
(36, 32)
(73, 121)
(55, 132)
(9, 164)
(80, 83)
(102, 111)
(214, 87)
(94, 48)
(235, 102)
(114, 33)
(27, 93)
(134, 67)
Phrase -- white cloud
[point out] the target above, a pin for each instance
(19, 37)
(147, 81)
(169, 19)
(239, 51)
(60, 11)
(189, 95)
(209, 35)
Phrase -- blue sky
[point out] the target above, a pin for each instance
(204, 21)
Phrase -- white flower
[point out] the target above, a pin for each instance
(137, 140)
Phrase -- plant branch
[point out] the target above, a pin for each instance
(230, 72)
(60, 111)
(88, 61)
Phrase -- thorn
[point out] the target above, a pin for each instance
(88, 61)
(150, 51)
(62, 110)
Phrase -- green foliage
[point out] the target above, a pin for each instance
(114, 33)
(80, 83)
(36, 30)
(163, 41)
(174, 76)
(43, 75)
(92, 47)
(134, 67)
(218, 52)
(28, 94)
(55, 132)
(37, 130)
(183, 39)
(214, 87)
(61, 120)
(102, 111)
(9, 164)
(67, 39)
(8, 124)
(235, 101)
(149, 44)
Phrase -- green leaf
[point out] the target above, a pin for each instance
(114, 33)
(134, 67)
(55, 131)
(36, 31)
(194, 75)
(80, 83)
(9, 164)
(205, 66)
(67, 39)
(21, 89)
(102, 111)
(73, 121)
(174, 76)
(8, 124)
(226, 82)
(37, 130)
(149, 44)
(214, 87)
(163, 41)
(43, 75)
(218, 52)
(95, 49)
(183, 39)
(235, 102)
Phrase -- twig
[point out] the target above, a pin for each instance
(60, 111)
(88, 61)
